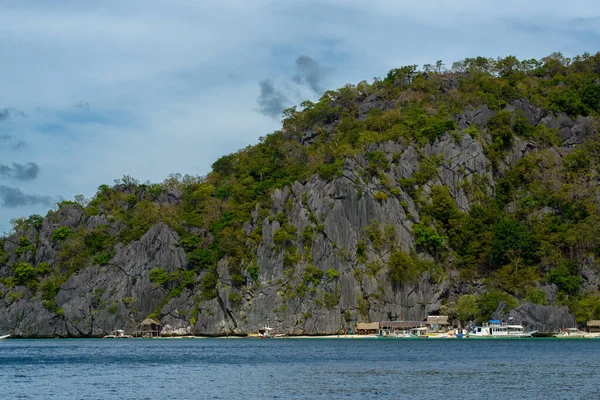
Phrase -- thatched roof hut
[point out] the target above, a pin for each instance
(593, 326)
(367, 328)
(399, 325)
(149, 328)
(437, 319)
(149, 322)
(437, 322)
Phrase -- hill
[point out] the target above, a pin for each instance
(469, 192)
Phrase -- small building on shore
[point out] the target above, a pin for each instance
(149, 328)
(433, 324)
(367, 328)
(389, 328)
(437, 323)
(593, 326)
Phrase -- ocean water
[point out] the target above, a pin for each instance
(299, 369)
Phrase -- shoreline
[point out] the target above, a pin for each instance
(301, 337)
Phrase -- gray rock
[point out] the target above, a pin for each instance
(98, 299)
(551, 291)
(408, 163)
(579, 132)
(533, 113)
(463, 160)
(545, 319)
(478, 116)
(534, 317)
(374, 101)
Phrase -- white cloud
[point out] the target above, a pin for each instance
(173, 85)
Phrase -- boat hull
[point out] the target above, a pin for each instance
(525, 335)
(117, 337)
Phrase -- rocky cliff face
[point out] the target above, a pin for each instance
(329, 273)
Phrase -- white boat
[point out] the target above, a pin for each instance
(118, 334)
(574, 333)
(499, 330)
(266, 333)
(403, 335)
(571, 333)
(269, 333)
(4, 337)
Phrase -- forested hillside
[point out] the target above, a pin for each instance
(431, 191)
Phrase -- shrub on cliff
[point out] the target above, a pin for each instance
(158, 276)
(61, 233)
(26, 275)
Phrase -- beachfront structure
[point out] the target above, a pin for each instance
(392, 328)
(149, 328)
(367, 328)
(433, 324)
(593, 326)
(437, 323)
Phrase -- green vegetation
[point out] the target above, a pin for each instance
(285, 235)
(159, 276)
(26, 275)
(253, 271)
(209, 286)
(3, 254)
(403, 269)
(332, 273)
(471, 307)
(61, 233)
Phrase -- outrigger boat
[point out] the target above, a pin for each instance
(269, 333)
(266, 333)
(118, 334)
(574, 333)
(414, 333)
(498, 330)
(571, 333)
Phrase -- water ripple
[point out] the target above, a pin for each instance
(298, 369)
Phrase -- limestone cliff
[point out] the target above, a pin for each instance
(318, 255)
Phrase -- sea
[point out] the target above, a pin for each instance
(299, 369)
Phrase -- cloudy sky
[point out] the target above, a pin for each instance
(91, 90)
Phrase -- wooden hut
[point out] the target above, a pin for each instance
(149, 328)
(593, 326)
(367, 328)
(437, 323)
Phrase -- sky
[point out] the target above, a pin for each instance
(91, 90)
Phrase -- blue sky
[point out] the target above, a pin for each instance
(94, 90)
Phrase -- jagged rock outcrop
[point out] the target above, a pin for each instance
(535, 317)
(464, 161)
(99, 299)
(478, 117)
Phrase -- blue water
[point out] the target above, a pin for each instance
(299, 369)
